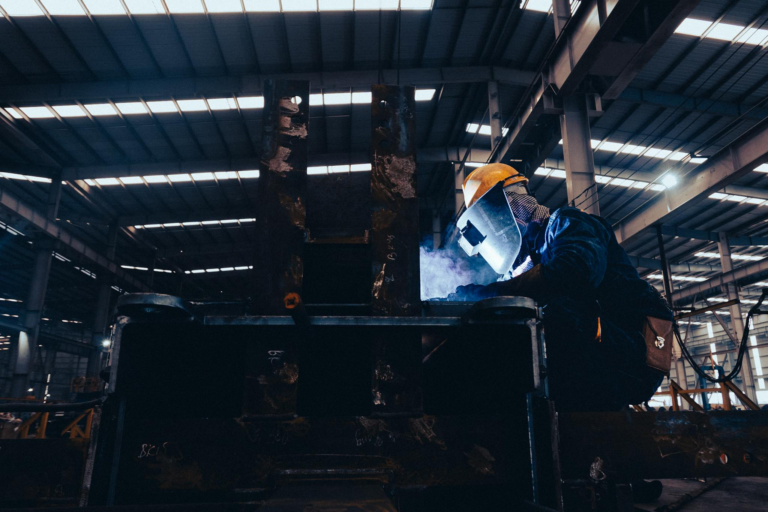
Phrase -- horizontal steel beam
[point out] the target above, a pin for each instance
(728, 165)
(696, 234)
(245, 85)
(686, 103)
(654, 264)
(49, 228)
(747, 274)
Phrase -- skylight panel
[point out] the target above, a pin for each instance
(657, 153)
(192, 105)
(193, 224)
(338, 169)
(557, 173)
(250, 101)
(156, 179)
(361, 98)
(610, 146)
(184, 6)
(131, 180)
(209, 222)
(725, 31)
(633, 150)
(21, 7)
(317, 170)
(315, 100)
(415, 5)
(756, 36)
(101, 109)
(299, 5)
(693, 27)
(104, 7)
(107, 181)
(375, 5)
(360, 167)
(602, 179)
(223, 6)
(424, 94)
(536, 5)
(262, 5)
(543, 171)
(131, 108)
(172, 225)
(249, 174)
(472, 127)
(179, 178)
(336, 5)
(337, 98)
(63, 7)
(37, 112)
(203, 176)
(762, 168)
(13, 113)
(226, 175)
(162, 107)
(222, 104)
(69, 111)
(145, 6)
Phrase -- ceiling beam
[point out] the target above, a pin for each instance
(591, 44)
(747, 274)
(687, 103)
(728, 165)
(696, 234)
(654, 264)
(41, 222)
(246, 85)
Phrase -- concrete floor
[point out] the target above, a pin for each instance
(745, 494)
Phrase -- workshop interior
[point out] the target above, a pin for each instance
(383, 255)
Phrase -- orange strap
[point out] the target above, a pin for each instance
(599, 335)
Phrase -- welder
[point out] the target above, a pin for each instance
(607, 331)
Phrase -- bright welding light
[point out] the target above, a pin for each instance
(106, 343)
(669, 181)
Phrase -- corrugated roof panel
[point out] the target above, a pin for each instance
(236, 43)
(165, 45)
(270, 38)
(475, 26)
(444, 26)
(201, 44)
(127, 41)
(86, 39)
(54, 48)
(303, 36)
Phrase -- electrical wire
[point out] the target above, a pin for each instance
(742, 348)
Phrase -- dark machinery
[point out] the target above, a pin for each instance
(335, 388)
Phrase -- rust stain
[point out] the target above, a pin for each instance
(278, 163)
(397, 176)
(379, 281)
(296, 210)
(382, 219)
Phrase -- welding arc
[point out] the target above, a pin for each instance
(742, 347)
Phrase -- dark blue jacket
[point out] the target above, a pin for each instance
(581, 259)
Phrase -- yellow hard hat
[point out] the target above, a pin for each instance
(484, 178)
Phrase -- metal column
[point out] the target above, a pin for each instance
(494, 112)
(577, 150)
(281, 207)
(395, 233)
(458, 179)
(102, 311)
(437, 230)
(26, 343)
(561, 11)
(737, 323)
(679, 363)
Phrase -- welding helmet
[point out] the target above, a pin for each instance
(488, 228)
(484, 178)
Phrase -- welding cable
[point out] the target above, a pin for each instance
(35, 407)
(742, 349)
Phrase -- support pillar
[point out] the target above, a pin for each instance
(561, 11)
(577, 150)
(737, 323)
(26, 343)
(102, 311)
(494, 112)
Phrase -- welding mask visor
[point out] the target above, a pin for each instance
(488, 228)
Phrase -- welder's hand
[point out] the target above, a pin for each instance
(472, 293)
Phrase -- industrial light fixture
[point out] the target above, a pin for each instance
(669, 180)
(30, 390)
(106, 343)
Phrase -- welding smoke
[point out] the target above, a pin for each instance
(443, 270)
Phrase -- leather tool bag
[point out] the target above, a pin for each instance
(658, 336)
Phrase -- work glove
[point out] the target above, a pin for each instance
(471, 293)
(528, 284)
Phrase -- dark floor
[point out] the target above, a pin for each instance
(745, 494)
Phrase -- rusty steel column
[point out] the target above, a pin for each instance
(395, 234)
(281, 211)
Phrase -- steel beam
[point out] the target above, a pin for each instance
(728, 165)
(102, 309)
(494, 112)
(579, 158)
(50, 229)
(226, 86)
(281, 206)
(696, 234)
(395, 227)
(654, 264)
(686, 103)
(747, 274)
